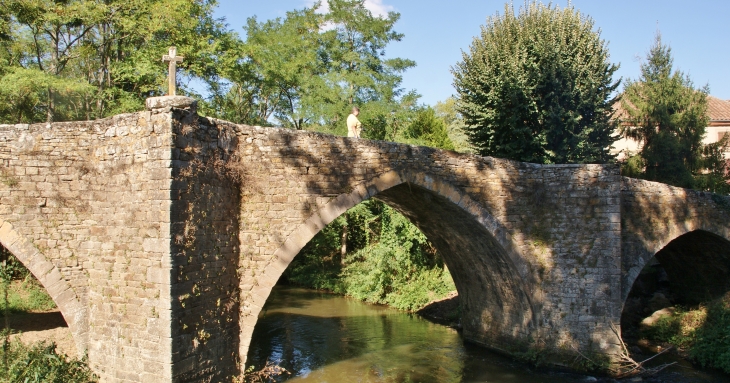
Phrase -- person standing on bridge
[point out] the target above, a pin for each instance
(354, 127)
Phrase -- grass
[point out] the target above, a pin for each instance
(25, 296)
(40, 362)
(20, 292)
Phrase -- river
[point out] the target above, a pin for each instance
(321, 337)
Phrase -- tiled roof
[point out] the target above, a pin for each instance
(718, 110)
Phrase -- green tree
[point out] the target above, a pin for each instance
(388, 260)
(279, 75)
(455, 126)
(48, 38)
(354, 54)
(85, 59)
(537, 87)
(307, 69)
(427, 129)
(667, 115)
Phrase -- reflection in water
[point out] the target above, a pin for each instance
(321, 337)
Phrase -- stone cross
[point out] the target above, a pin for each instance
(173, 58)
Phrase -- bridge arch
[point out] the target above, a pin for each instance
(493, 280)
(698, 260)
(672, 225)
(683, 235)
(52, 280)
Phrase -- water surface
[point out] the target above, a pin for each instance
(322, 337)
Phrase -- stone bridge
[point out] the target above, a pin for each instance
(160, 234)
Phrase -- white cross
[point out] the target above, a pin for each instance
(173, 58)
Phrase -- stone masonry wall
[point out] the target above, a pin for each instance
(85, 206)
(693, 227)
(205, 202)
(161, 234)
(545, 261)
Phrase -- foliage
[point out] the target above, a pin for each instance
(20, 290)
(711, 347)
(678, 329)
(400, 268)
(704, 333)
(537, 87)
(84, 59)
(455, 125)
(633, 166)
(427, 129)
(23, 93)
(307, 69)
(41, 362)
(388, 260)
(274, 73)
(38, 362)
(668, 116)
(714, 173)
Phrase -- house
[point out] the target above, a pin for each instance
(718, 111)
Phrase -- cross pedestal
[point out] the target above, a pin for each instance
(171, 100)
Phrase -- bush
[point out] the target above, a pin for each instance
(704, 333)
(41, 363)
(711, 346)
(388, 260)
(678, 329)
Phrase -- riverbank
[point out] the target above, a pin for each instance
(444, 311)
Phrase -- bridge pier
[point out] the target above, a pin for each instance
(161, 234)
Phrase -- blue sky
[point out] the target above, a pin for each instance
(436, 32)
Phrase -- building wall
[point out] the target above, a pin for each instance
(625, 146)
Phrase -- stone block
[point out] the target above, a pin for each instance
(166, 102)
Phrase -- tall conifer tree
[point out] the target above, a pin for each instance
(667, 115)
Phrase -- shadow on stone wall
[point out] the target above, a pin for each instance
(442, 198)
(205, 253)
(655, 215)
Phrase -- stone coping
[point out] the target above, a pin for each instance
(180, 102)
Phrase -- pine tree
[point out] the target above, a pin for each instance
(667, 116)
(537, 87)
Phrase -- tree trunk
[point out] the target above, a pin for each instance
(53, 69)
